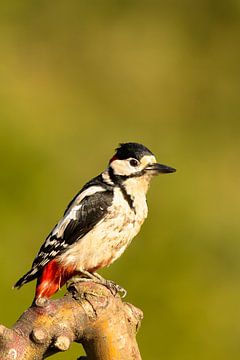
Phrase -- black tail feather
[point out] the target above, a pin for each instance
(29, 276)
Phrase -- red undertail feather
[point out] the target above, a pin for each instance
(53, 277)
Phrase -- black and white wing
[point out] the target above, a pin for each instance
(83, 213)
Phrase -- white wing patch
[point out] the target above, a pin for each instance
(88, 192)
(71, 214)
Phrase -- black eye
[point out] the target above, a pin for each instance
(133, 162)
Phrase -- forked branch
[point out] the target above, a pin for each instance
(88, 314)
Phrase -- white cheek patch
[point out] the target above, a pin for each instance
(122, 167)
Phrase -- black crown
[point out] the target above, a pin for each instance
(131, 149)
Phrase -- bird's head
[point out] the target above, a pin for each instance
(135, 161)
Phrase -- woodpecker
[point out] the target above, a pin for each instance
(99, 223)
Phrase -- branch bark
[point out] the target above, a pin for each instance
(88, 314)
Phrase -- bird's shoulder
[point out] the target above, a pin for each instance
(86, 209)
(91, 188)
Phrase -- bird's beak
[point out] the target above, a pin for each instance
(156, 169)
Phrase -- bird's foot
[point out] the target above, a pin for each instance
(111, 285)
(115, 288)
(75, 280)
(95, 277)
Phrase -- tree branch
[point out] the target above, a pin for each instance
(88, 314)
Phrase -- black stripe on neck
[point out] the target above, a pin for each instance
(118, 181)
(127, 197)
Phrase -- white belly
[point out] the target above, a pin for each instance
(109, 238)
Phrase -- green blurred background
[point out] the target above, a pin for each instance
(77, 78)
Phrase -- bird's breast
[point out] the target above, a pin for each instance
(109, 238)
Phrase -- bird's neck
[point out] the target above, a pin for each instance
(135, 194)
(137, 186)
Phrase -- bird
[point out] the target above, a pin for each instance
(98, 224)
